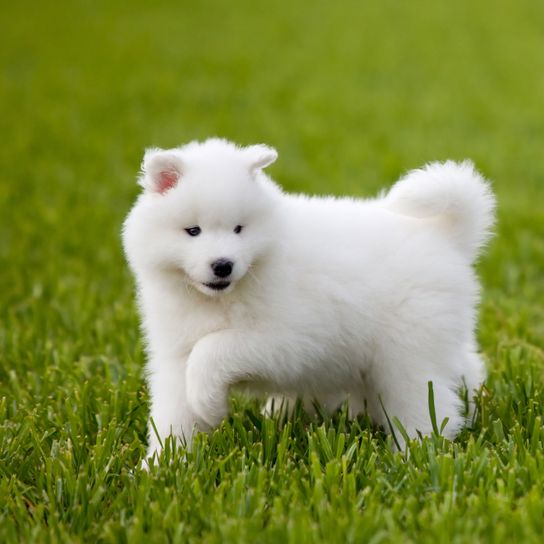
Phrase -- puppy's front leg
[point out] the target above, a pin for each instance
(170, 411)
(224, 358)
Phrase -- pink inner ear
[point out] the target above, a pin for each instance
(167, 180)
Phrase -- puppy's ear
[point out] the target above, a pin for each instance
(161, 170)
(260, 156)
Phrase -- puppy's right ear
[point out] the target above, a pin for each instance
(161, 170)
(260, 156)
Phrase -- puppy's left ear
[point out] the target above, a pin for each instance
(161, 170)
(260, 156)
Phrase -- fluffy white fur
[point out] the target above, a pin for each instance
(328, 298)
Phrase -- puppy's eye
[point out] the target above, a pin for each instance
(193, 231)
(238, 229)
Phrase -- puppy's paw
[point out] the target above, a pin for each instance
(207, 397)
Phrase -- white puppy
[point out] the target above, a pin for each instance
(240, 283)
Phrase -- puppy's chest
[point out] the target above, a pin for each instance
(214, 318)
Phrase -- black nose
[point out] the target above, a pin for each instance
(222, 268)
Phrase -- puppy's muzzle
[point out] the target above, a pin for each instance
(222, 268)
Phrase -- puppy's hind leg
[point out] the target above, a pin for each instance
(399, 389)
(279, 405)
(285, 404)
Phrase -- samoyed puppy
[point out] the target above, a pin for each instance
(242, 284)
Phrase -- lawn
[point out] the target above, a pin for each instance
(351, 94)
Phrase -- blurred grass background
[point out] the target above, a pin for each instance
(351, 94)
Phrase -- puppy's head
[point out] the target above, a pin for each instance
(204, 213)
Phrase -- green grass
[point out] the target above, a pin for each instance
(352, 94)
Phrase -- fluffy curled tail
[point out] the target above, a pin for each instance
(455, 195)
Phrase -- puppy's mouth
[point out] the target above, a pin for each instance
(217, 285)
